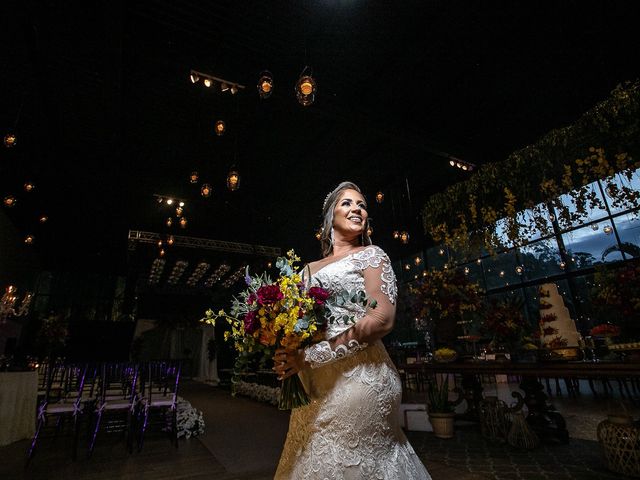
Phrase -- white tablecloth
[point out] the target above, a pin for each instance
(18, 397)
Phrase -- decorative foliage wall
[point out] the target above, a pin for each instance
(603, 144)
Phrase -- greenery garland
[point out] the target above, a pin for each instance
(602, 144)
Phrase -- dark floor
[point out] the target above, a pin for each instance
(243, 439)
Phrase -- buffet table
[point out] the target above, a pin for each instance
(542, 416)
(18, 397)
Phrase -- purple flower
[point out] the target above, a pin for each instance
(251, 323)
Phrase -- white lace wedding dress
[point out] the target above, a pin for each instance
(351, 430)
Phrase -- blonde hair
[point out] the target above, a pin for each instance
(326, 243)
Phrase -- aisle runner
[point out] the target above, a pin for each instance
(244, 435)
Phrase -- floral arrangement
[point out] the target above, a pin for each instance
(445, 354)
(284, 313)
(53, 333)
(444, 297)
(548, 318)
(505, 323)
(605, 330)
(262, 393)
(190, 421)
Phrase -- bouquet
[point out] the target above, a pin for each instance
(284, 313)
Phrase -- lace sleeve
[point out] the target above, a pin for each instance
(380, 285)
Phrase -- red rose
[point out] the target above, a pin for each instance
(319, 295)
(269, 294)
(251, 298)
(251, 323)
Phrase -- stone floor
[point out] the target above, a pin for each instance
(243, 439)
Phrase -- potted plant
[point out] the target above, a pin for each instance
(440, 409)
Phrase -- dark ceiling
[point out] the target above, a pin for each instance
(107, 117)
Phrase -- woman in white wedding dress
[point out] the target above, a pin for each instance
(350, 430)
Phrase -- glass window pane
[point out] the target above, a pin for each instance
(500, 271)
(540, 259)
(589, 214)
(628, 227)
(474, 271)
(591, 245)
(617, 182)
(437, 257)
(532, 231)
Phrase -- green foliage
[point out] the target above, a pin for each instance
(566, 160)
(438, 397)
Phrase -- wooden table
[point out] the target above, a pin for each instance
(18, 397)
(542, 416)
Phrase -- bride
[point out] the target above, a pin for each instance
(350, 430)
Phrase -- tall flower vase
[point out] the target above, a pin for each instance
(620, 440)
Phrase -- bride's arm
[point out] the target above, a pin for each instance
(380, 285)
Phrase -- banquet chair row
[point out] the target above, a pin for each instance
(112, 397)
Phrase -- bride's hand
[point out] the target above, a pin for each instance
(287, 363)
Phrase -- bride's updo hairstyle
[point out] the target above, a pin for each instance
(326, 243)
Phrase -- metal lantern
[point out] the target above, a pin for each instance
(10, 140)
(169, 222)
(233, 179)
(29, 186)
(265, 84)
(179, 211)
(220, 127)
(183, 222)
(205, 190)
(9, 201)
(306, 88)
(396, 235)
(193, 178)
(29, 239)
(170, 240)
(404, 237)
(379, 197)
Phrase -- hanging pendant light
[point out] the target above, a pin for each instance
(193, 178)
(404, 237)
(233, 179)
(179, 211)
(183, 222)
(10, 140)
(306, 88)
(9, 201)
(29, 239)
(170, 240)
(205, 190)
(379, 197)
(220, 127)
(169, 222)
(29, 187)
(265, 84)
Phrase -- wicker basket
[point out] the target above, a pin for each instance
(620, 439)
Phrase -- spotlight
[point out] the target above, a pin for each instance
(194, 77)
(193, 178)
(170, 201)
(43, 219)
(233, 179)
(205, 190)
(220, 127)
(181, 204)
(265, 84)
(461, 164)
(224, 87)
(234, 89)
(306, 88)
(207, 82)
(160, 199)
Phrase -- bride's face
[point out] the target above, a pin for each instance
(350, 214)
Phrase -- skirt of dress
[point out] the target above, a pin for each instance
(351, 428)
